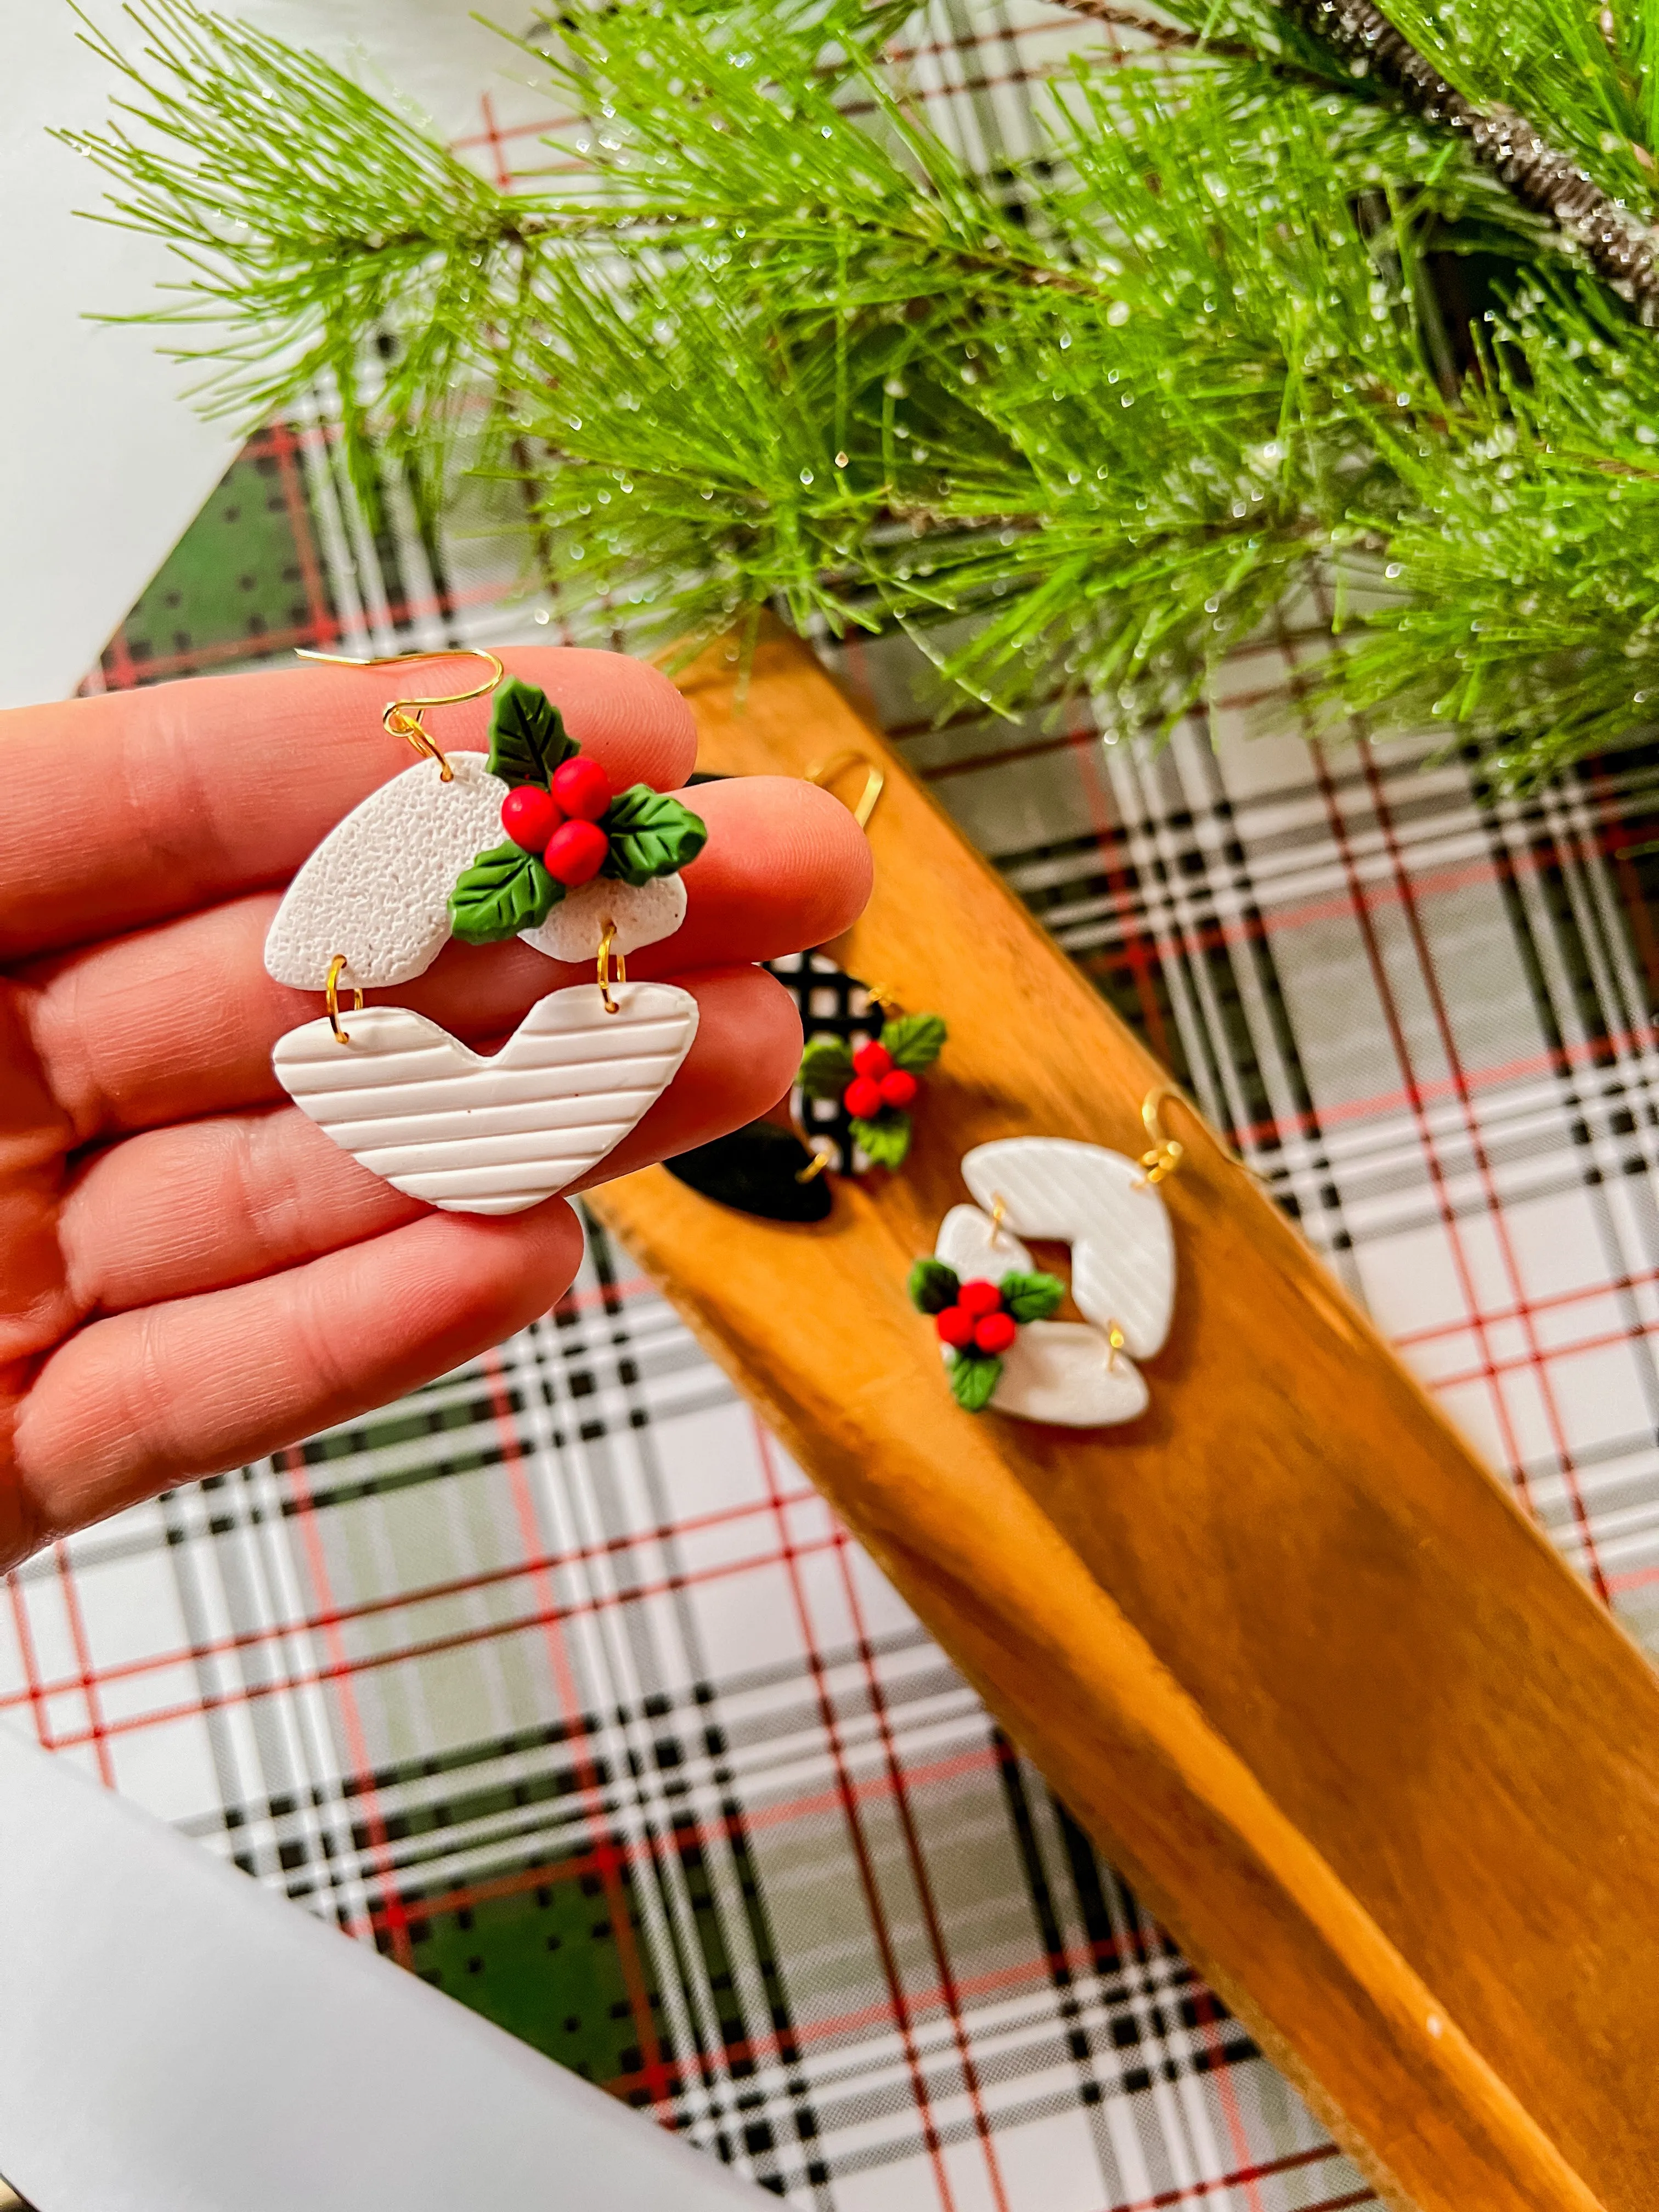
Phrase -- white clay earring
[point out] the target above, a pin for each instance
(584, 872)
(991, 1307)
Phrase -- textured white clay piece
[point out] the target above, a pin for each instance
(968, 1242)
(377, 887)
(1097, 1202)
(1063, 1371)
(477, 1135)
(643, 915)
(1055, 1370)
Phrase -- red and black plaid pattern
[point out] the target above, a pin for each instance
(558, 1683)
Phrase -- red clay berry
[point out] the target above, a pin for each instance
(576, 853)
(898, 1087)
(995, 1333)
(873, 1059)
(954, 1326)
(582, 788)
(862, 1098)
(979, 1297)
(530, 817)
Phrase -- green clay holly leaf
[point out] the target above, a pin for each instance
(1031, 1297)
(527, 739)
(913, 1041)
(933, 1286)
(883, 1142)
(651, 835)
(974, 1376)
(826, 1068)
(506, 889)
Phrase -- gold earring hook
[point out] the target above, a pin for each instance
(1167, 1152)
(823, 773)
(332, 993)
(402, 717)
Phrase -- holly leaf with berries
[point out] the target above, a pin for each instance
(885, 1141)
(1030, 1296)
(913, 1042)
(826, 1068)
(527, 737)
(650, 833)
(506, 889)
(933, 1286)
(974, 1378)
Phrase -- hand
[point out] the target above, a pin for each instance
(191, 1275)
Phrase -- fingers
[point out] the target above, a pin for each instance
(178, 1020)
(123, 809)
(136, 1403)
(175, 1211)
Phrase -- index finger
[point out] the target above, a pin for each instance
(140, 805)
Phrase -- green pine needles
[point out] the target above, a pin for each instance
(1242, 340)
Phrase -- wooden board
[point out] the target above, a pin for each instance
(1287, 1648)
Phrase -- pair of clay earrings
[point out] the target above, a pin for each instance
(530, 841)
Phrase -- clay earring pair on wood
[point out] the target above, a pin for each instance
(581, 872)
(991, 1307)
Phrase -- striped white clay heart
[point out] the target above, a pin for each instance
(490, 1135)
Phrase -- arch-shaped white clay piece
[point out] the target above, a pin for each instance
(476, 1135)
(1100, 1204)
(377, 887)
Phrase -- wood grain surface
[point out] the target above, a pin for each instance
(1287, 1648)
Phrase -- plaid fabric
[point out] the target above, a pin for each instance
(558, 1683)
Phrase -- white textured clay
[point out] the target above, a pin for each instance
(477, 1135)
(1065, 1372)
(377, 887)
(970, 1241)
(1062, 1372)
(644, 914)
(1100, 1204)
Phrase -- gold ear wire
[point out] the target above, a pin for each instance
(402, 717)
(1166, 1152)
(824, 772)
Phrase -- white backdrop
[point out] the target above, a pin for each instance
(102, 463)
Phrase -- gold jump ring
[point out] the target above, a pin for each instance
(332, 993)
(612, 1006)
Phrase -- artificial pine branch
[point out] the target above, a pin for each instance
(1623, 251)
(1086, 424)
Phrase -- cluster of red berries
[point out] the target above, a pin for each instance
(876, 1083)
(979, 1321)
(562, 825)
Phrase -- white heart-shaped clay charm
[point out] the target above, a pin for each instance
(1061, 1371)
(1099, 1203)
(478, 1135)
